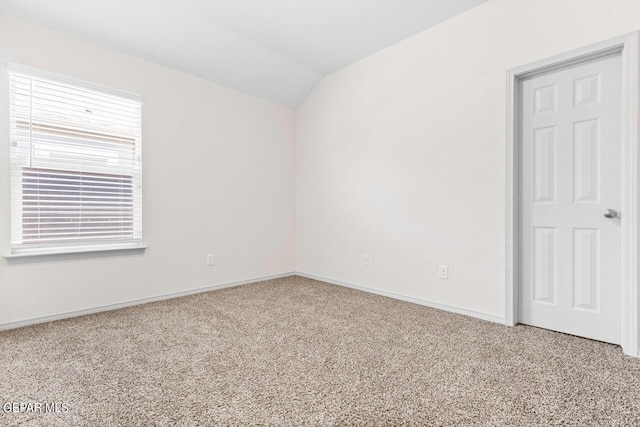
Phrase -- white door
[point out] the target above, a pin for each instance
(570, 266)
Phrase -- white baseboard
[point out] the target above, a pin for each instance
(138, 301)
(129, 303)
(432, 304)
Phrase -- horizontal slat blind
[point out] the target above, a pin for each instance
(75, 164)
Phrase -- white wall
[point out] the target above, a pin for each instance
(218, 177)
(401, 155)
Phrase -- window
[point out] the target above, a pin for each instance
(75, 165)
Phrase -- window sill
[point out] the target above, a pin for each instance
(76, 251)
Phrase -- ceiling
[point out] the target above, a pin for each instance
(275, 49)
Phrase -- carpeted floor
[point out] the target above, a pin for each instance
(295, 351)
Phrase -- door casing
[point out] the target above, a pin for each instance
(627, 45)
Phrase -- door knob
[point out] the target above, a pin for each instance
(610, 213)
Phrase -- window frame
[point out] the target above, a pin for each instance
(70, 247)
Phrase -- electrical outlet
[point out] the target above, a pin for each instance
(365, 260)
(443, 271)
(211, 260)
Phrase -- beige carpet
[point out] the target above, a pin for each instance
(299, 352)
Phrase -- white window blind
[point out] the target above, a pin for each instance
(75, 163)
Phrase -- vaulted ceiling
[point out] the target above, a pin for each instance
(275, 49)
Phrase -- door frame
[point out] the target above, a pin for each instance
(627, 45)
